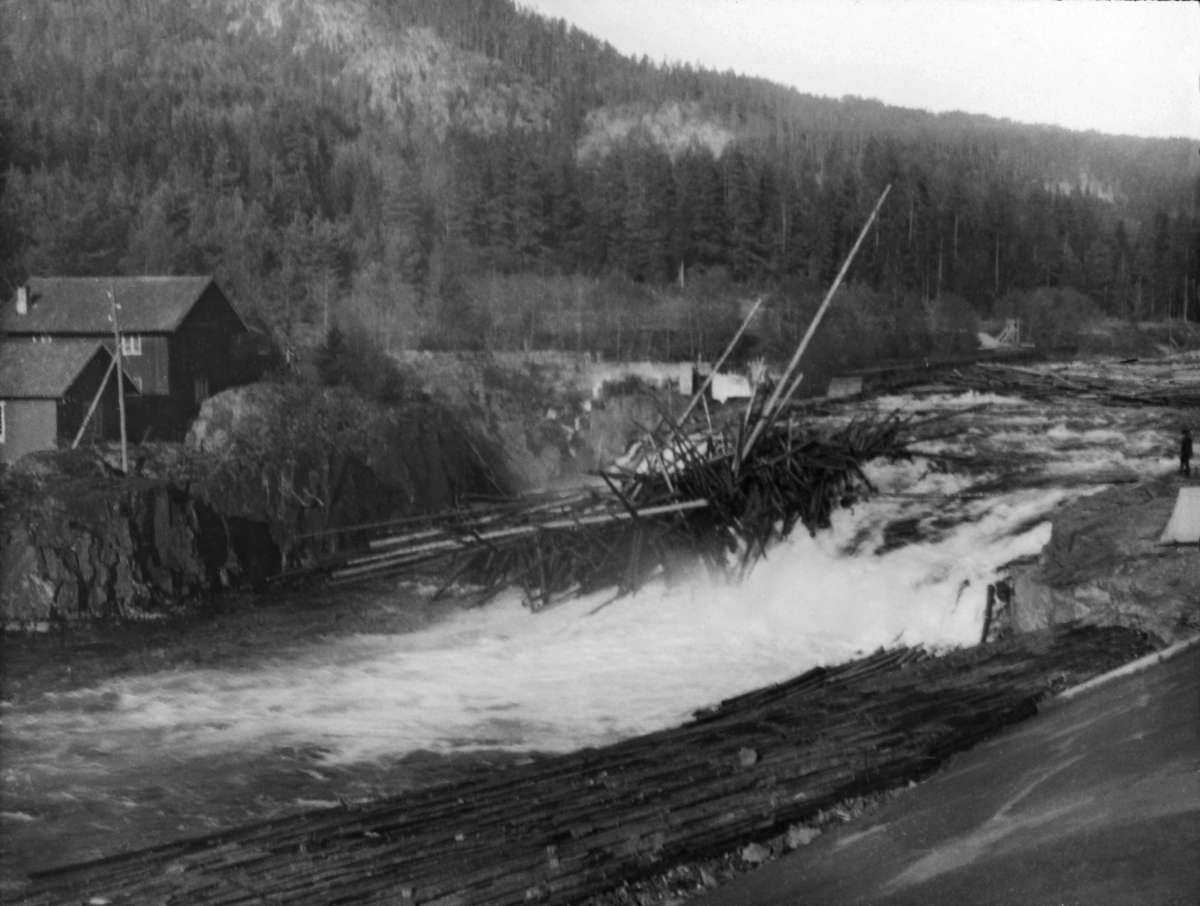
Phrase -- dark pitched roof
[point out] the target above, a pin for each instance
(59, 305)
(44, 370)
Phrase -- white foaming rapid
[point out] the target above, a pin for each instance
(591, 671)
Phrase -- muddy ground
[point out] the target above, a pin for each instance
(106, 804)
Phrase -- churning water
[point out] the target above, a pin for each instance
(910, 566)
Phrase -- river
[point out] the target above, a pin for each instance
(130, 761)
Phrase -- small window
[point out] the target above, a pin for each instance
(42, 338)
(131, 344)
(3, 425)
(201, 387)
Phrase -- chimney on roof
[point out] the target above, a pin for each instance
(22, 300)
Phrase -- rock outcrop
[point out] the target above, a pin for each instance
(1104, 564)
(270, 476)
(104, 548)
(562, 443)
(307, 464)
(554, 416)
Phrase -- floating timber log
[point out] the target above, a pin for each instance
(558, 830)
(1045, 384)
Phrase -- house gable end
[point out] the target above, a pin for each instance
(213, 306)
(45, 371)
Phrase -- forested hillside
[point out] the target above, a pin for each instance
(463, 172)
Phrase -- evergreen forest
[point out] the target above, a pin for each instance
(466, 174)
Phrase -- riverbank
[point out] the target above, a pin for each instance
(1105, 564)
(1092, 801)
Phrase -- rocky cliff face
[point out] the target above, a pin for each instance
(271, 475)
(1104, 564)
(90, 548)
(270, 478)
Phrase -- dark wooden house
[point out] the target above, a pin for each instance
(181, 338)
(46, 390)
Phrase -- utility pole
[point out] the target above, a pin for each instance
(112, 299)
(326, 276)
(996, 290)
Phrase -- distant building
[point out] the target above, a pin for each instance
(845, 385)
(182, 340)
(46, 390)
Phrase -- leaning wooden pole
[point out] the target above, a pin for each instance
(95, 401)
(699, 395)
(112, 298)
(765, 416)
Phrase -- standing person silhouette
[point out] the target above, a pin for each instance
(1185, 453)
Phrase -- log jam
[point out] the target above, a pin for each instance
(560, 829)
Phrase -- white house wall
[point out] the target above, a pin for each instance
(29, 425)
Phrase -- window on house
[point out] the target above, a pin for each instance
(42, 338)
(201, 387)
(131, 344)
(3, 425)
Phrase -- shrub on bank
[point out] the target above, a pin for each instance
(350, 357)
(954, 324)
(1172, 334)
(863, 329)
(305, 459)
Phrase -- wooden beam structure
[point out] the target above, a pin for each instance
(689, 496)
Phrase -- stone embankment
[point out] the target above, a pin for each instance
(1104, 564)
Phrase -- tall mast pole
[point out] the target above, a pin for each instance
(767, 413)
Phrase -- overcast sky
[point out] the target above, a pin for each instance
(1118, 67)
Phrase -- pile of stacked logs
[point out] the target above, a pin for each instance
(689, 492)
(720, 492)
(560, 829)
(1043, 384)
